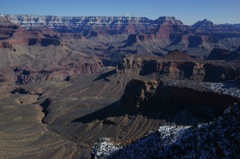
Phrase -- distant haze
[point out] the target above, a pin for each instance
(218, 11)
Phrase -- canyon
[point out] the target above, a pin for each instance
(68, 81)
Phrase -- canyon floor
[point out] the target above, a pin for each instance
(63, 119)
(41, 119)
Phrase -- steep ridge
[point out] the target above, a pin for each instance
(157, 36)
(8, 30)
(78, 24)
(12, 33)
(42, 54)
(181, 100)
(206, 26)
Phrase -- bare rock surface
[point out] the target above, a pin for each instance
(69, 116)
(210, 140)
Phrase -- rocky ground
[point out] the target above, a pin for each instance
(217, 139)
(77, 112)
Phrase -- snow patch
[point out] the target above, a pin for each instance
(217, 139)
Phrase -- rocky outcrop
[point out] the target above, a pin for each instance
(23, 76)
(26, 76)
(11, 34)
(204, 25)
(6, 28)
(138, 92)
(5, 45)
(230, 57)
(43, 42)
(179, 100)
(178, 66)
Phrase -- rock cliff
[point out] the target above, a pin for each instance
(183, 100)
(177, 65)
(155, 36)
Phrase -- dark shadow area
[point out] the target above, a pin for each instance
(182, 106)
(19, 80)
(180, 115)
(100, 114)
(16, 70)
(108, 122)
(45, 104)
(175, 39)
(154, 145)
(26, 72)
(45, 71)
(219, 54)
(132, 39)
(105, 75)
(218, 73)
(50, 36)
(194, 41)
(47, 42)
(158, 54)
(68, 78)
(113, 24)
(149, 67)
(187, 69)
(94, 34)
(20, 91)
(32, 41)
(113, 61)
(114, 110)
